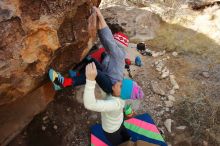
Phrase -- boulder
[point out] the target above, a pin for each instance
(36, 36)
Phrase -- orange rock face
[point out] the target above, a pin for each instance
(35, 36)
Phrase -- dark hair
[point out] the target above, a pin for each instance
(115, 28)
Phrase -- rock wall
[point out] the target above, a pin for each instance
(36, 35)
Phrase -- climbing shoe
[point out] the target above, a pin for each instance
(57, 79)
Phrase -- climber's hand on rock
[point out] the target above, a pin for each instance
(97, 10)
(101, 20)
(91, 71)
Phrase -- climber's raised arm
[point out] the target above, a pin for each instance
(107, 38)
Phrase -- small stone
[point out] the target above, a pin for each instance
(152, 98)
(159, 65)
(205, 143)
(43, 128)
(171, 98)
(173, 134)
(167, 124)
(19, 142)
(165, 73)
(160, 113)
(172, 91)
(205, 74)
(156, 54)
(46, 121)
(181, 127)
(68, 109)
(168, 103)
(162, 98)
(55, 127)
(208, 130)
(156, 89)
(167, 109)
(174, 54)
(93, 117)
(45, 118)
(173, 82)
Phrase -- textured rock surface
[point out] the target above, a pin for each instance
(34, 36)
(16, 115)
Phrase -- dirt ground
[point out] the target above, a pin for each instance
(196, 108)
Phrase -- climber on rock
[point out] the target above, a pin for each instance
(112, 67)
(111, 107)
(109, 76)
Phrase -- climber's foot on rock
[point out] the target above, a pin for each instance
(57, 79)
